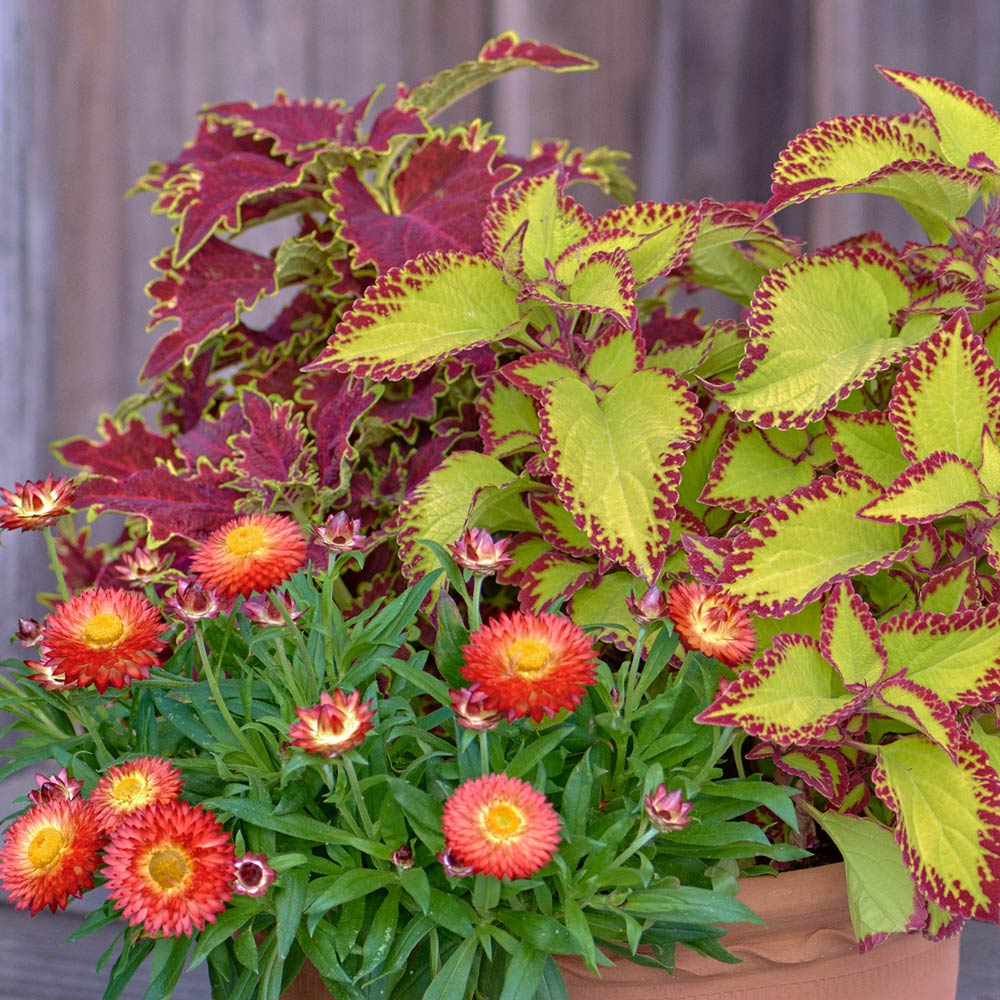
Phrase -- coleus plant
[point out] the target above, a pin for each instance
(460, 344)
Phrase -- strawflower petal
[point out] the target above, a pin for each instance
(530, 665)
(134, 785)
(31, 506)
(334, 726)
(501, 826)
(50, 853)
(711, 622)
(102, 637)
(253, 552)
(169, 868)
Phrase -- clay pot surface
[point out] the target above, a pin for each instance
(807, 952)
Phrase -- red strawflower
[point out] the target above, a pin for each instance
(50, 853)
(134, 785)
(102, 637)
(530, 665)
(334, 726)
(254, 552)
(712, 622)
(46, 676)
(501, 826)
(170, 868)
(667, 811)
(252, 875)
(142, 566)
(30, 506)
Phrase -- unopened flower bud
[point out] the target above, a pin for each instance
(452, 867)
(402, 857)
(142, 566)
(29, 632)
(477, 551)
(264, 609)
(252, 875)
(667, 811)
(650, 607)
(31, 506)
(471, 710)
(340, 533)
(192, 601)
(53, 787)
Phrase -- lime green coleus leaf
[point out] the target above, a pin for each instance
(880, 892)
(613, 355)
(940, 484)
(805, 543)
(948, 815)
(601, 283)
(850, 639)
(603, 604)
(665, 235)
(615, 461)
(967, 126)
(553, 576)
(533, 222)
(956, 656)
(411, 317)
(508, 422)
(866, 443)
(871, 154)
(902, 699)
(820, 327)
(790, 695)
(946, 393)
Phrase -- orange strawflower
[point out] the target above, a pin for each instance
(530, 665)
(170, 868)
(254, 552)
(102, 637)
(501, 826)
(30, 506)
(134, 785)
(712, 622)
(50, 853)
(334, 726)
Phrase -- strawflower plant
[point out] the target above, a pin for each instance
(493, 605)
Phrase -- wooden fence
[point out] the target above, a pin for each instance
(704, 93)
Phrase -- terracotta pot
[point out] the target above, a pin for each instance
(807, 952)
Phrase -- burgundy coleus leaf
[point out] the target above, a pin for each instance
(192, 507)
(438, 201)
(509, 46)
(340, 402)
(206, 297)
(209, 439)
(273, 452)
(189, 394)
(123, 451)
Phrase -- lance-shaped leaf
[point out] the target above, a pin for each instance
(946, 393)
(937, 485)
(802, 545)
(866, 443)
(948, 821)
(412, 317)
(967, 126)
(539, 219)
(615, 461)
(790, 695)
(749, 473)
(206, 297)
(901, 698)
(880, 892)
(850, 638)
(876, 155)
(956, 656)
(820, 327)
(498, 56)
(667, 233)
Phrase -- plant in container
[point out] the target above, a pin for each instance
(430, 628)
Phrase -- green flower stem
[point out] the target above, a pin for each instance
(632, 677)
(213, 683)
(484, 752)
(475, 617)
(646, 833)
(359, 799)
(55, 564)
(90, 727)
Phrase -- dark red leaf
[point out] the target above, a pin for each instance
(340, 402)
(508, 46)
(122, 452)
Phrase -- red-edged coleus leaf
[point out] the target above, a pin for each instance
(598, 606)
(437, 202)
(123, 451)
(966, 125)
(806, 542)
(790, 695)
(820, 327)
(873, 154)
(678, 342)
(533, 373)
(866, 443)
(273, 454)
(957, 656)
(948, 821)
(615, 461)
(954, 587)
(189, 506)
(414, 316)
(753, 468)
(614, 354)
(827, 770)
(557, 528)
(553, 576)
(850, 639)
(901, 698)
(946, 393)
(601, 283)
(661, 235)
(508, 421)
(938, 485)
(498, 56)
(206, 297)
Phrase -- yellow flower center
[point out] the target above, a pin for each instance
(103, 630)
(45, 847)
(713, 621)
(246, 540)
(502, 821)
(169, 868)
(126, 790)
(529, 657)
